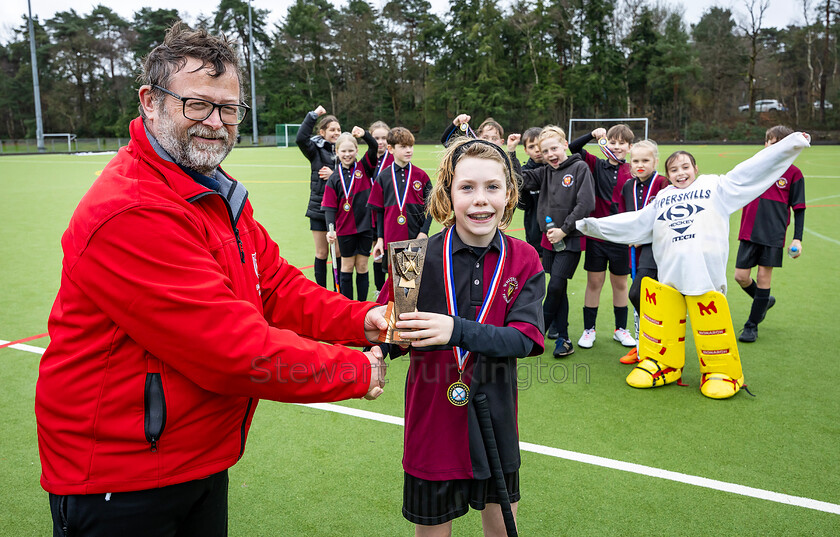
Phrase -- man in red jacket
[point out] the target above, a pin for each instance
(175, 315)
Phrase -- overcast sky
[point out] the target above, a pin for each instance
(781, 12)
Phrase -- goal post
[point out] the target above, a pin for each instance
(580, 126)
(70, 138)
(285, 133)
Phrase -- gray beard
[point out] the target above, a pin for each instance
(190, 153)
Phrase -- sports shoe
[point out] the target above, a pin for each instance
(749, 333)
(770, 304)
(552, 333)
(632, 357)
(563, 348)
(587, 339)
(623, 336)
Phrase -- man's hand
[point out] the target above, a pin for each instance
(512, 142)
(378, 369)
(324, 173)
(320, 111)
(427, 329)
(375, 322)
(357, 132)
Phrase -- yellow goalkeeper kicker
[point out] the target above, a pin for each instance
(717, 349)
(661, 336)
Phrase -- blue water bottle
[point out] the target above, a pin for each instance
(561, 244)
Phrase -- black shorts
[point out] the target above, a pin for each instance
(560, 264)
(598, 253)
(317, 224)
(429, 503)
(356, 244)
(751, 254)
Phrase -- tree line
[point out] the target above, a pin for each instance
(532, 63)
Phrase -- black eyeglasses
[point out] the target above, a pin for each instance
(200, 109)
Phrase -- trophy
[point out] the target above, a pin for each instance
(405, 259)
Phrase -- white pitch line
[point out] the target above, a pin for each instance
(823, 237)
(594, 460)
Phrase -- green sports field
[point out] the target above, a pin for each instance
(601, 459)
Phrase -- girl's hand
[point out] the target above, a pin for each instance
(512, 142)
(555, 235)
(461, 118)
(379, 249)
(331, 235)
(320, 111)
(599, 133)
(422, 235)
(324, 173)
(428, 329)
(796, 243)
(357, 132)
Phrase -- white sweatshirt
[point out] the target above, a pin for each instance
(689, 228)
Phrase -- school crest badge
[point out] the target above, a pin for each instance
(782, 182)
(568, 180)
(417, 185)
(509, 289)
(358, 174)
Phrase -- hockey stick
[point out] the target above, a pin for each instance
(633, 275)
(336, 285)
(485, 424)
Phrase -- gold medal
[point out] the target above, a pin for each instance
(347, 207)
(458, 393)
(401, 219)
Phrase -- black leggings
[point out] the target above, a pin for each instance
(556, 305)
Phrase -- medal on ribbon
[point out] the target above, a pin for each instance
(347, 189)
(606, 150)
(401, 200)
(458, 393)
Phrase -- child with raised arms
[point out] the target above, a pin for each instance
(479, 309)
(636, 194)
(609, 175)
(320, 151)
(688, 228)
(345, 206)
(764, 222)
(374, 162)
(398, 196)
(528, 198)
(566, 195)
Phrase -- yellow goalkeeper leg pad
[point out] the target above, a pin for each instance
(719, 386)
(651, 374)
(717, 350)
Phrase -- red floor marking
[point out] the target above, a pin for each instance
(24, 340)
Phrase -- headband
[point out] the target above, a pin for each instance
(460, 151)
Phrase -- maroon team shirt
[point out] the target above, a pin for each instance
(443, 441)
(384, 196)
(765, 219)
(352, 214)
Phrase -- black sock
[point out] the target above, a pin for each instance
(589, 317)
(362, 286)
(620, 316)
(759, 305)
(750, 289)
(346, 284)
(378, 275)
(321, 272)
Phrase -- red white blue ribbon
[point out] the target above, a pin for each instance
(606, 150)
(451, 302)
(347, 189)
(647, 196)
(401, 201)
(381, 167)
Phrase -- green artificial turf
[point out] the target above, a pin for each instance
(310, 472)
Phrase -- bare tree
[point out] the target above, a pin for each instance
(809, 44)
(752, 29)
(823, 75)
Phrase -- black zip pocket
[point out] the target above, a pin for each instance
(155, 409)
